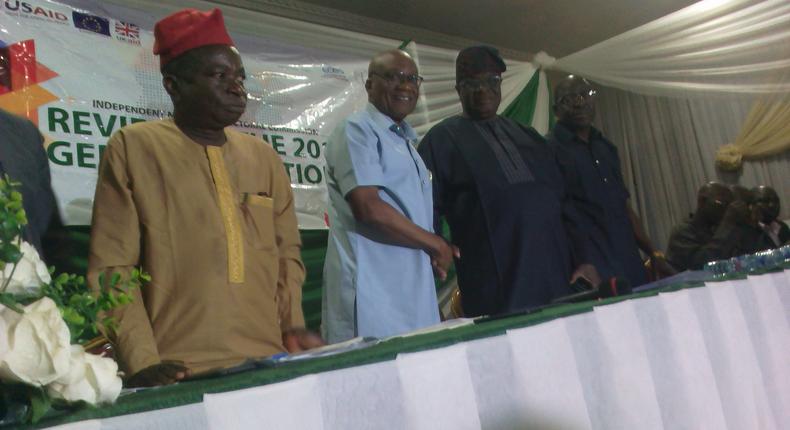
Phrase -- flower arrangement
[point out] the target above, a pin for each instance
(46, 321)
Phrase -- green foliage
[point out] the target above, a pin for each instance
(12, 223)
(39, 404)
(84, 311)
(23, 402)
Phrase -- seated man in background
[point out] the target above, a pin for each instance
(619, 233)
(753, 238)
(378, 276)
(775, 232)
(207, 211)
(506, 198)
(719, 228)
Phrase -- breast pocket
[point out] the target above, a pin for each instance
(258, 214)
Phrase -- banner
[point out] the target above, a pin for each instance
(81, 74)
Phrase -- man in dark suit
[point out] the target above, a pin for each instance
(775, 232)
(23, 159)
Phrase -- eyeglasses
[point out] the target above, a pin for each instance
(397, 78)
(767, 202)
(490, 82)
(581, 97)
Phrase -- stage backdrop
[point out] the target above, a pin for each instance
(80, 75)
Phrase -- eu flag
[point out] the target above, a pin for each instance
(92, 23)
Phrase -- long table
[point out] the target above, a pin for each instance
(692, 356)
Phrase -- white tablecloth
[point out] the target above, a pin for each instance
(715, 357)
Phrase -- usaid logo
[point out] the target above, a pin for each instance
(28, 10)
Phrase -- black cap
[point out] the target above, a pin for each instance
(478, 59)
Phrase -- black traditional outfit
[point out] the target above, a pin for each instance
(507, 199)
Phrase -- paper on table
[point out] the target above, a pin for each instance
(444, 325)
(325, 351)
(438, 389)
(732, 357)
(545, 366)
(363, 397)
(630, 396)
(292, 405)
(500, 399)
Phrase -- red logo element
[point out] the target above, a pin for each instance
(20, 76)
(127, 30)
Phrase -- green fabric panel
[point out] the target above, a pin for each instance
(192, 391)
(75, 260)
(522, 109)
(552, 118)
(313, 255)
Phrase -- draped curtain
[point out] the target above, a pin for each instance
(713, 47)
(765, 132)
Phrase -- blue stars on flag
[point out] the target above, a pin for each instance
(92, 23)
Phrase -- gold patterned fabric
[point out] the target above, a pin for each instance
(159, 204)
(230, 216)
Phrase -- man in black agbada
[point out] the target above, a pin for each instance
(506, 198)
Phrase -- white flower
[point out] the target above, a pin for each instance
(92, 379)
(38, 344)
(30, 272)
(72, 385)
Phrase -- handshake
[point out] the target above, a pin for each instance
(442, 253)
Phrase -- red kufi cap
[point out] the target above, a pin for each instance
(188, 29)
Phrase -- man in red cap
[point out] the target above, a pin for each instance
(207, 211)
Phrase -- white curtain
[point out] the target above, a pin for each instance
(722, 47)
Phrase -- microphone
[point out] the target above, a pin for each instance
(584, 291)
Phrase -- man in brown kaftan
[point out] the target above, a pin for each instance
(208, 212)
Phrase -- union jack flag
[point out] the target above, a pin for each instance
(128, 30)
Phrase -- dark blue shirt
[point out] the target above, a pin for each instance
(598, 167)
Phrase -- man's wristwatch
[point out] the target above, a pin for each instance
(658, 255)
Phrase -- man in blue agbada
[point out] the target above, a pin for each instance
(506, 196)
(382, 252)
